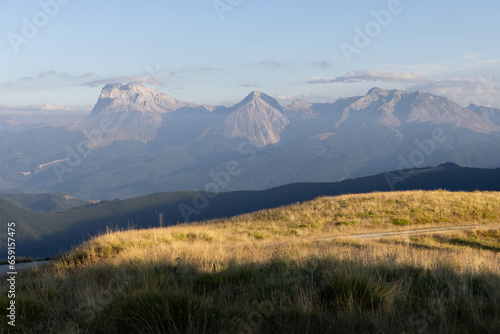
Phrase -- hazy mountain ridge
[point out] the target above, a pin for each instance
(8, 125)
(138, 141)
(134, 97)
(47, 202)
(258, 118)
(393, 108)
(261, 119)
(487, 113)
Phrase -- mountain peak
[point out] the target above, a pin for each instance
(137, 98)
(374, 90)
(301, 109)
(259, 98)
(134, 112)
(450, 165)
(256, 93)
(392, 108)
(258, 118)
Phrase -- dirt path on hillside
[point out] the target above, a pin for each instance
(408, 232)
(4, 269)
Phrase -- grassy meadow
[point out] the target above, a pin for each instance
(293, 269)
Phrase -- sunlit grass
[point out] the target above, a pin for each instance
(270, 271)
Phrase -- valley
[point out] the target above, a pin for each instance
(63, 222)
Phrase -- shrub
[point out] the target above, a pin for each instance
(401, 221)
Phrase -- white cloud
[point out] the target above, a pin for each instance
(285, 99)
(370, 76)
(139, 79)
(480, 91)
(470, 56)
(270, 64)
(322, 64)
(45, 113)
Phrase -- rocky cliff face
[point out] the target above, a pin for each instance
(135, 112)
(258, 118)
(300, 109)
(127, 112)
(486, 113)
(135, 98)
(393, 108)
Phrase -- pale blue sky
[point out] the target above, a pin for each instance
(287, 49)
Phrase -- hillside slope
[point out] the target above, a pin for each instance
(47, 202)
(272, 271)
(56, 232)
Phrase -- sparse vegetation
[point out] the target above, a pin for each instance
(268, 272)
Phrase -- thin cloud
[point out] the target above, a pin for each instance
(13, 109)
(470, 56)
(480, 91)
(321, 64)
(44, 113)
(270, 64)
(138, 79)
(50, 76)
(370, 76)
(207, 69)
(45, 74)
(285, 99)
(248, 85)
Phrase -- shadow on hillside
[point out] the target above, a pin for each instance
(473, 244)
(316, 296)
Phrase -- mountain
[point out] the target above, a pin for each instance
(395, 108)
(41, 234)
(300, 109)
(135, 98)
(137, 141)
(9, 125)
(258, 118)
(487, 113)
(127, 112)
(48, 202)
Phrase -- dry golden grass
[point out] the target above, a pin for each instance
(267, 272)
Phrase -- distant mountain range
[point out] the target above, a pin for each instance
(10, 125)
(138, 141)
(42, 234)
(48, 202)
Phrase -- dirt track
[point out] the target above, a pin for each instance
(4, 269)
(408, 232)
